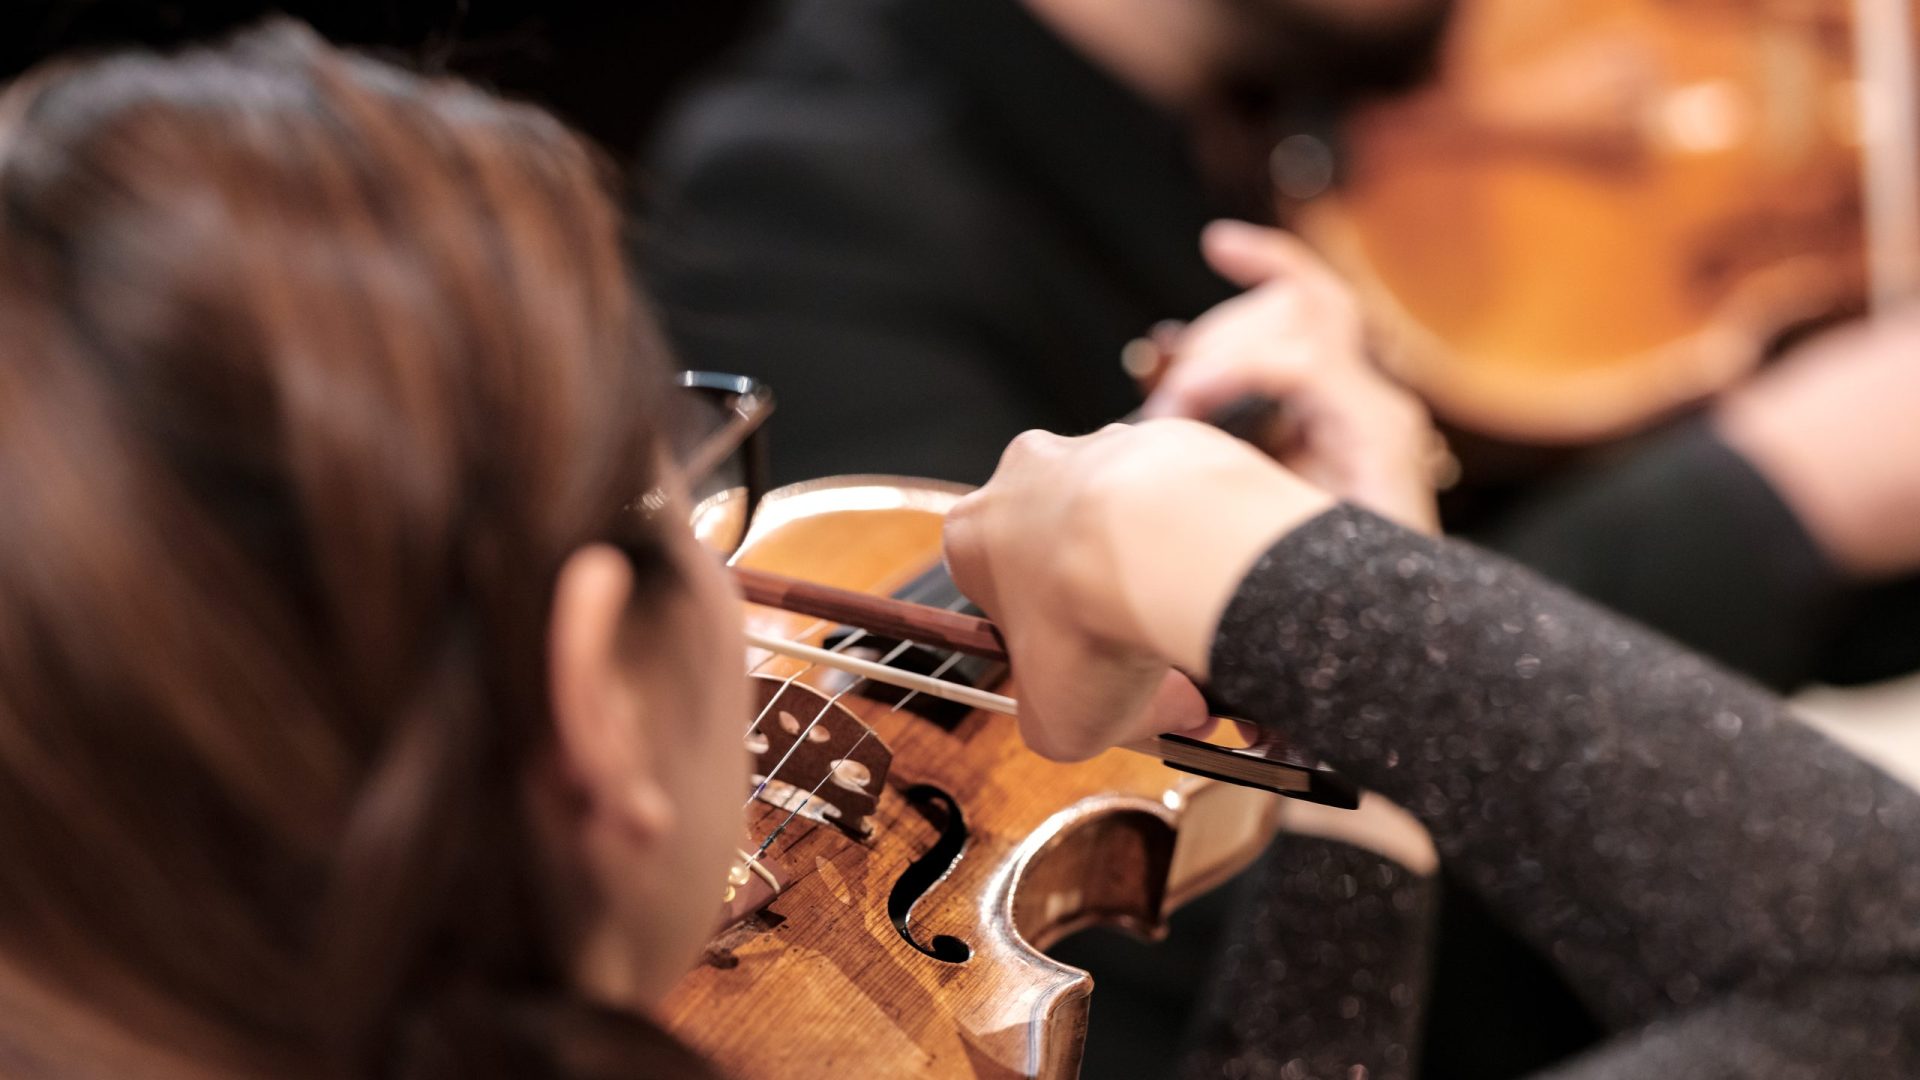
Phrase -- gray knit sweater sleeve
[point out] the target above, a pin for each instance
(1730, 891)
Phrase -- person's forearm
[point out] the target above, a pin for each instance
(1662, 831)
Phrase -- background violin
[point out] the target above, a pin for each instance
(1605, 209)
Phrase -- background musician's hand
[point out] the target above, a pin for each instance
(1107, 560)
(1297, 336)
(1835, 428)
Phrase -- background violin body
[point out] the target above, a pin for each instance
(1605, 209)
(916, 892)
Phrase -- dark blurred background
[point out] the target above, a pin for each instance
(607, 68)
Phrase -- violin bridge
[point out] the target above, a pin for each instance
(813, 756)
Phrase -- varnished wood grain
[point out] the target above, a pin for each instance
(822, 985)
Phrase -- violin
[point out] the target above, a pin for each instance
(908, 859)
(1602, 211)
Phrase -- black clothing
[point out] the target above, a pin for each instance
(609, 70)
(1731, 893)
(929, 225)
(1683, 535)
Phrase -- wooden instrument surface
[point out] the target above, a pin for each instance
(1605, 209)
(821, 983)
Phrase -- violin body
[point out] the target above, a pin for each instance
(985, 851)
(1603, 210)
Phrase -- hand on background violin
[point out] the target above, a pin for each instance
(1297, 336)
(1835, 429)
(1107, 561)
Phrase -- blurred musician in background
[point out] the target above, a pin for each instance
(1775, 530)
(934, 223)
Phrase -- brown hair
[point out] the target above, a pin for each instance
(312, 373)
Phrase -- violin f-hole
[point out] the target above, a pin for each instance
(925, 872)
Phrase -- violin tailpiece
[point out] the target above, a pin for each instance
(752, 884)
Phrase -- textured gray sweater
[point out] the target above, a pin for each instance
(1731, 893)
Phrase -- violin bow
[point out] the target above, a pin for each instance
(1268, 767)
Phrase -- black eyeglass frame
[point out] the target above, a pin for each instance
(747, 403)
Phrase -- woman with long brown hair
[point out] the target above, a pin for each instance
(335, 737)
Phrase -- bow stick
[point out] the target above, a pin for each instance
(1253, 766)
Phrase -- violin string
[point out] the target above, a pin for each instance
(800, 636)
(789, 680)
(914, 594)
(798, 740)
(808, 798)
(774, 772)
(845, 643)
(775, 697)
(945, 665)
(794, 810)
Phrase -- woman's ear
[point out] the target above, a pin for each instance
(599, 697)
